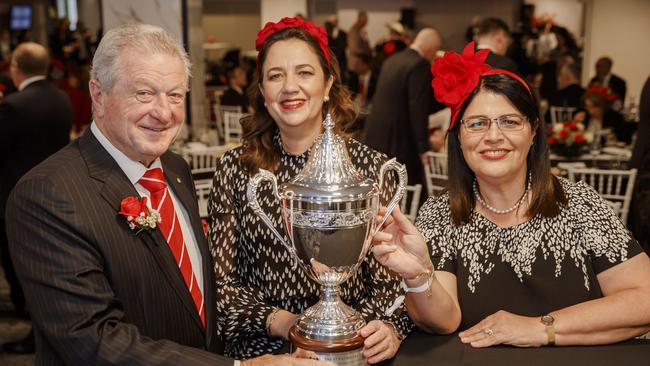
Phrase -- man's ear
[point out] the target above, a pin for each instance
(97, 96)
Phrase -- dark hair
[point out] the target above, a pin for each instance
(492, 25)
(606, 60)
(230, 74)
(547, 194)
(259, 129)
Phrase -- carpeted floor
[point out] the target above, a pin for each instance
(11, 328)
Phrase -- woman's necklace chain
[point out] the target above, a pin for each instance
(496, 210)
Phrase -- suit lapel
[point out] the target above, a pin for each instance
(115, 186)
(176, 175)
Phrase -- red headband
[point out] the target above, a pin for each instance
(456, 76)
(318, 33)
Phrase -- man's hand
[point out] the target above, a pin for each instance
(298, 358)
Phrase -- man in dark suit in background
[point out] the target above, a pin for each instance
(570, 92)
(605, 78)
(235, 95)
(102, 288)
(362, 85)
(494, 34)
(34, 123)
(398, 122)
(337, 40)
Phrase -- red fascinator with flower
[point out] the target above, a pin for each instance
(455, 76)
(318, 33)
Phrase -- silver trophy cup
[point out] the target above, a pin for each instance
(329, 210)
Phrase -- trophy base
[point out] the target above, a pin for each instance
(349, 358)
(347, 352)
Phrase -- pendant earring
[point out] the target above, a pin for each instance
(326, 99)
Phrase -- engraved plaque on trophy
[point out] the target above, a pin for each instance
(329, 210)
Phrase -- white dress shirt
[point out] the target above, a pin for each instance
(134, 170)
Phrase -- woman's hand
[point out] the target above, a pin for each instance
(381, 341)
(503, 327)
(400, 246)
(281, 322)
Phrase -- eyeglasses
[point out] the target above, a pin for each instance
(507, 123)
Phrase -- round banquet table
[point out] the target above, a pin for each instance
(426, 349)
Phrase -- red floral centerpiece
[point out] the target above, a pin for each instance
(568, 138)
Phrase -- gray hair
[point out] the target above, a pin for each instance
(142, 37)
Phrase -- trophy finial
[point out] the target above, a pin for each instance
(328, 123)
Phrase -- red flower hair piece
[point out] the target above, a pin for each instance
(318, 33)
(455, 76)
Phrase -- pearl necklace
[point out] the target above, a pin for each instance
(496, 210)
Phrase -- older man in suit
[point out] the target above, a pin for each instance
(34, 124)
(403, 100)
(106, 285)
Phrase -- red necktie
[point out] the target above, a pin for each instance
(154, 181)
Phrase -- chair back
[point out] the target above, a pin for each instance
(561, 114)
(411, 201)
(435, 171)
(203, 188)
(204, 160)
(232, 127)
(613, 185)
(219, 111)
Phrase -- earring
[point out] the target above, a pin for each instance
(326, 99)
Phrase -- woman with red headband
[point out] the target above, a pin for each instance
(512, 254)
(260, 294)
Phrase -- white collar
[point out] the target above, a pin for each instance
(134, 170)
(30, 80)
(416, 49)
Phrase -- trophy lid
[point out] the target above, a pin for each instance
(329, 175)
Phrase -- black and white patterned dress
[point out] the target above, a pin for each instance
(533, 268)
(254, 271)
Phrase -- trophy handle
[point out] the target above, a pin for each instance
(392, 164)
(251, 194)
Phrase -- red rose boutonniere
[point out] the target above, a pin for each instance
(138, 215)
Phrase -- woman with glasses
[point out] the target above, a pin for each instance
(512, 254)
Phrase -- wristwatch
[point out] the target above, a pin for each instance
(548, 321)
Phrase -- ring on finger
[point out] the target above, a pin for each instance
(488, 331)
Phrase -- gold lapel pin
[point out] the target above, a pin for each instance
(178, 180)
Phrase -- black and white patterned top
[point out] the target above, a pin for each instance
(533, 268)
(254, 270)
